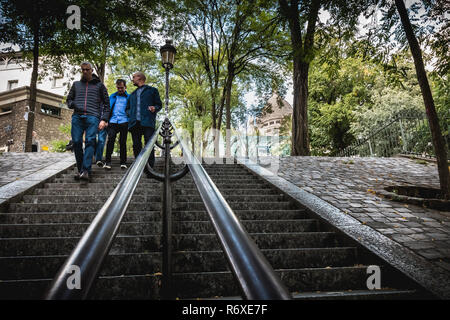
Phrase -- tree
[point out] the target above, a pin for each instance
(229, 39)
(250, 37)
(32, 25)
(107, 26)
(302, 50)
(437, 138)
(302, 21)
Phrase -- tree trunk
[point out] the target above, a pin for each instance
(303, 53)
(437, 138)
(101, 71)
(228, 87)
(300, 137)
(33, 93)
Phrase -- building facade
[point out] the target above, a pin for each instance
(50, 115)
(15, 72)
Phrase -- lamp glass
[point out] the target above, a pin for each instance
(167, 57)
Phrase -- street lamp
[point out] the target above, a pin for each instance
(168, 52)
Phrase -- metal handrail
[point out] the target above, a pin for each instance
(362, 141)
(255, 275)
(353, 148)
(93, 247)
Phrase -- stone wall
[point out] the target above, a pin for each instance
(6, 128)
(14, 125)
(47, 126)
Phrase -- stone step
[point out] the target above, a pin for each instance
(179, 206)
(106, 288)
(141, 228)
(72, 217)
(380, 294)
(118, 175)
(55, 199)
(141, 190)
(142, 206)
(36, 267)
(69, 207)
(139, 216)
(150, 196)
(223, 284)
(181, 242)
(150, 183)
(235, 198)
(112, 180)
(213, 284)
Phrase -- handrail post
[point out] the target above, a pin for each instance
(166, 289)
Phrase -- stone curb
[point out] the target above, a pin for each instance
(16, 189)
(428, 275)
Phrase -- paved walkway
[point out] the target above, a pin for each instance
(21, 171)
(14, 165)
(348, 184)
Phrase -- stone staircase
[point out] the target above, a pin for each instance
(314, 261)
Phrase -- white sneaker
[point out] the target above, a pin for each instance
(123, 166)
(107, 166)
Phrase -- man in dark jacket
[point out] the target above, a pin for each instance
(118, 124)
(142, 106)
(90, 103)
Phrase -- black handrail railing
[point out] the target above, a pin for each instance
(93, 247)
(167, 177)
(253, 272)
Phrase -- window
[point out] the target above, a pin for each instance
(278, 121)
(12, 84)
(57, 82)
(50, 110)
(7, 109)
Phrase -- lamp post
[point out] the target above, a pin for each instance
(168, 52)
(167, 56)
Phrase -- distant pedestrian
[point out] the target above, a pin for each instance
(34, 142)
(90, 103)
(142, 107)
(118, 124)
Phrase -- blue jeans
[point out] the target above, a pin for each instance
(100, 145)
(80, 125)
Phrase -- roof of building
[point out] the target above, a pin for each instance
(276, 108)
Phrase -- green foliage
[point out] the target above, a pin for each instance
(65, 128)
(58, 146)
(126, 61)
(349, 98)
(107, 26)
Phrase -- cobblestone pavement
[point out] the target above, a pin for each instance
(14, 165)
(347, 184)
